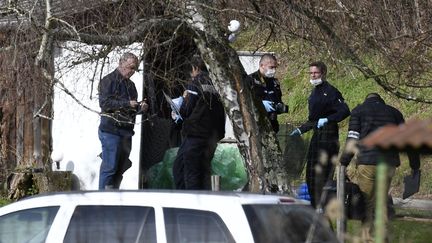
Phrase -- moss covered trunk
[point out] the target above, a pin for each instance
(255, 137)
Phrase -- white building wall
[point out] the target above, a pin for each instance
(75, 127)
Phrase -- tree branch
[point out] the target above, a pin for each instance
(120, 39)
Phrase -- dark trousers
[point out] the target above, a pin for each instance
(323, 148)
(192, 166)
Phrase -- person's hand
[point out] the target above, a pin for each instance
(295, 132)
(322, 122)
(268, 105)
(178, 102)
(144, 106)
(133, 103)
(176, 118)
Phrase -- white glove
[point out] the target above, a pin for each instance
(178, 102)
(176, 118)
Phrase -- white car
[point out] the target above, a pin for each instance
(160, 216)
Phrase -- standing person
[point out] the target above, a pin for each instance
(203, 118)
(267, 88)
(326, 108)
(367, 117)
(119, 106)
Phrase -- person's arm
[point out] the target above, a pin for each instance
(413, 156)
(414, 160)
(340, 107)
(305, 127)
(352, 139)
(278, 91)
(190, 99)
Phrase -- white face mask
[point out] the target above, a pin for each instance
(270, 73)
(315, 82)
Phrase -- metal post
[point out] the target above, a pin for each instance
(381, 198)
(215, 182)
(340, 194)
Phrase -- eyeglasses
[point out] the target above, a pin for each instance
(314, 73)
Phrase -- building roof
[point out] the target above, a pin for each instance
(414, 134)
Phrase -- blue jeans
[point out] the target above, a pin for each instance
(115, 159)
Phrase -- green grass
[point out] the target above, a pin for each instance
(4, 201)
(354, 88)
(403, 231)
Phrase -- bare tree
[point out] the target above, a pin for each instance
(394, 37)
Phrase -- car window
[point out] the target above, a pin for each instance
(30, 225)
(286, 223)
(193, 226)
(112, 224)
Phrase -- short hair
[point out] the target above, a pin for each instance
(372, 95)
(126, 56)
(267, 57)
(197, 61)
(321, 66)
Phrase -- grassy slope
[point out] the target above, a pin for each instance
(399, 231)
(294, 57)
(354, 87)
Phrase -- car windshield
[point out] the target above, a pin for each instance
(286, 223)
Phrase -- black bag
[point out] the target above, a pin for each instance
(355, 204)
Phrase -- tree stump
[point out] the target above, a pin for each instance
(22, 184)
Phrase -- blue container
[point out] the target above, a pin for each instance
(302, 192)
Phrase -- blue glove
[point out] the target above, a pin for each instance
(295, 132)
(268, 105)
(322, 122)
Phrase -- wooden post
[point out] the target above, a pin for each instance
(340, 194)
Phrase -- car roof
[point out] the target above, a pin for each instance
(163, 198)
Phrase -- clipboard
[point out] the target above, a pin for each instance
(411, 184)
(174, 107)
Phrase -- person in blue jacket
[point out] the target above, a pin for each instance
(119, 107)
(326, 108)
(203, 124)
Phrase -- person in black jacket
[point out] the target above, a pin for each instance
(203, 118)
(119, 106)
(326, 108)
(367, 117)
(267, 88)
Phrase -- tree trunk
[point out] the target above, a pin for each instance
(256, 140)
(25, 134)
